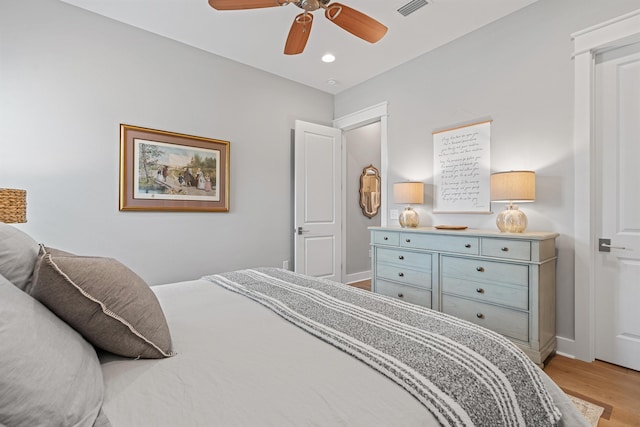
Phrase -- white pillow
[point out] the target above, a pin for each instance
(49, 375)
(18, 255)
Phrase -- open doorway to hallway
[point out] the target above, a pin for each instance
(362, 148)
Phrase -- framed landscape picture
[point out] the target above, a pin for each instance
(166, 171)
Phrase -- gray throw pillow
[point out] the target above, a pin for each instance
(49, 375)
(18, 255)
(110, 305)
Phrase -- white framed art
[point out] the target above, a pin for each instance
(461, 165)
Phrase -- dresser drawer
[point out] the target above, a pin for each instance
(506, 248)
(511, 323)
(386, 238)
(504, 294)
(483, 271)
(404, 275)
(405, 293)
(441, 243)
(415, 260)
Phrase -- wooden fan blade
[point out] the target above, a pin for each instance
(244, 4)
(298, 34)
(357, 23)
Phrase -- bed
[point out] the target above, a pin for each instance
(242, 352)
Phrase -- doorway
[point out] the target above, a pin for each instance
(318, 223)
(359, 122)
(362, 148)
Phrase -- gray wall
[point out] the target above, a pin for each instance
(518, 72)
(363, 149)
(70, 77)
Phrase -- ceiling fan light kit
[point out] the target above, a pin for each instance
(347, 18)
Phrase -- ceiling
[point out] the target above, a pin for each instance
(256, 37)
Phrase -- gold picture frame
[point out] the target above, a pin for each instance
(167, 171)
(370, 188)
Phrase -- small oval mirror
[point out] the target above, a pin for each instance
(370, 191)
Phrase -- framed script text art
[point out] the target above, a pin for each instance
(166, 171)
(461, 165)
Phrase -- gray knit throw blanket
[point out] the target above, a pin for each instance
(464, 374)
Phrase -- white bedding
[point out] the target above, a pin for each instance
(239, 364)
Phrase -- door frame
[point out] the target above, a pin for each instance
(611, 34)
(372, 114)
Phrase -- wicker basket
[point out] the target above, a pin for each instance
(13, 205)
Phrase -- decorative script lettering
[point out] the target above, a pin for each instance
(461, 167)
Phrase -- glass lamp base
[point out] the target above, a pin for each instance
(409, 218)
(511, 220)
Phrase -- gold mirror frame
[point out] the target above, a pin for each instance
(370, 191)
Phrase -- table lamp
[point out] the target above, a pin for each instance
(510, 187)
(409, 193)
(13, 205)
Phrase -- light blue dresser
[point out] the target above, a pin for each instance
(503, 281)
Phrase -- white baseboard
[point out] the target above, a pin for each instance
(357, 277)
(566, 347)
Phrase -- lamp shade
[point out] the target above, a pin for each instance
(13, 205)
(408, 192)
(513, 186)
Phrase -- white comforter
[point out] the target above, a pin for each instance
(239, 364)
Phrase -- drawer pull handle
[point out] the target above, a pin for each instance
(504, 249)
(480, 269)
(401, 274)
(480, 290)
(385, 238)
(408, 240)
(468, 245)
(400, 295)
(401, 257)
(480, 316)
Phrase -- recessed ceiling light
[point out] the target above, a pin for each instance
(332, 82)
(328, 58)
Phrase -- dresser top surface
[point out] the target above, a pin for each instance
(529, 235)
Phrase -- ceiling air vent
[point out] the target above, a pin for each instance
(412, 6)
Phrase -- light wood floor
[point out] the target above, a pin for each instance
(612, 387)
(365, 284)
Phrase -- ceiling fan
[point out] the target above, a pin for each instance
(349, 19)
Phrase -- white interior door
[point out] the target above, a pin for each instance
(617, 129)
(317, 204)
